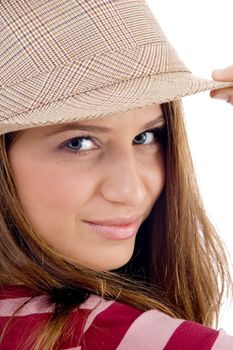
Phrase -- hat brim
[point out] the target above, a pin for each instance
(116, 98)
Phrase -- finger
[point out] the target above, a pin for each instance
(225, 91)
(225, 94)
(223, 74)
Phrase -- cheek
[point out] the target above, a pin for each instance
(49, 192)
(156, 176)
(161, 171)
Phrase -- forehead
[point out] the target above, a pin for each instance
(141, 117)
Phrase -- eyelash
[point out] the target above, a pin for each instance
(159, 134)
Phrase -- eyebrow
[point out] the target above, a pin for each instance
(95, 128)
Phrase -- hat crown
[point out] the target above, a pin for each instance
(47, 35)
(65, 60)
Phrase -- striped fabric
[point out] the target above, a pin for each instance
(107, 325)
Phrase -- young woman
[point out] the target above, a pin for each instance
(104, 241)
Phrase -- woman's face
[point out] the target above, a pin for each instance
(63, 181)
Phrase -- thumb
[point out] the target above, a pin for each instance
(223, 74)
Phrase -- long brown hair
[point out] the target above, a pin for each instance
(176, 267)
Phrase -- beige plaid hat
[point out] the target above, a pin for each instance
(67, 60)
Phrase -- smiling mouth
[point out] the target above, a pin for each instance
(116, 232)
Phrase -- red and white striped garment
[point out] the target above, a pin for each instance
(109, 326)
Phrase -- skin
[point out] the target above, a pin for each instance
(60, 189)
(223, 75)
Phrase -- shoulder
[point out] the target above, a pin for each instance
(111, 325)
(156, 330)
(102, 321)
(116, 326)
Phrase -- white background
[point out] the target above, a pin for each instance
(202, 33)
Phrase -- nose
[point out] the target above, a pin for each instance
(124, 180)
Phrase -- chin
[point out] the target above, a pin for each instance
(112, 266)
(109, 258)
(118, 262)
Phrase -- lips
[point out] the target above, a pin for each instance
(116, 222)
(116, 232)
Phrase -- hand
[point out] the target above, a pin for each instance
(226, 93)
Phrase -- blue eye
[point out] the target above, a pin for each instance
(158, 136)
(82, 144)
(76, 143)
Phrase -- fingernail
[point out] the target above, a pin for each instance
(221, 96)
